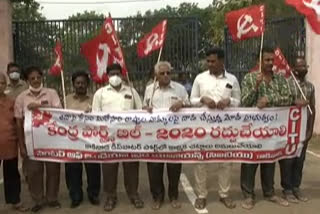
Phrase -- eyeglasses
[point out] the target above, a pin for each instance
(165, 72)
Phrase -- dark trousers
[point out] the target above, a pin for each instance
(155, 172)
(247, 179)
(74, 180)
(291, 172)
(130, 176)
(11, 181)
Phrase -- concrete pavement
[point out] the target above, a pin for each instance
(311, 186)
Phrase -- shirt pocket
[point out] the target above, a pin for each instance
(127, 102)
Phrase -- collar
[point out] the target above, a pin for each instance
(110, 88)
(223, 75)
(20, 83)
(169, 86)
(42, 92)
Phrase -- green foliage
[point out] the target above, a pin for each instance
(27, 10)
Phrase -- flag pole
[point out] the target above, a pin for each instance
(260, 57)
(63, 89)
(155, 79)
(300, 89)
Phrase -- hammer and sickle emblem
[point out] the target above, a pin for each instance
(245, 25)
(103, 62)
(153, 39)
(314, 4)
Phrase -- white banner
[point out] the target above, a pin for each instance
(191, 135)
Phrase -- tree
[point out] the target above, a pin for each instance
(26, 10)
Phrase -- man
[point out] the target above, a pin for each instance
(117, 96)
(16, 85)
(173, 96)
(215, 89)
(80, 100)
(35, 97)
(263, 89)
(291, 169)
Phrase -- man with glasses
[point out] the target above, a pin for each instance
(215, 89)
(173, 96)
(291, 169)
(117, 96)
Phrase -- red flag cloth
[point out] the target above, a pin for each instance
(280, 64)
(153, 40)
(57, 67)
(103, 50)
(311, 10)
(246, 23)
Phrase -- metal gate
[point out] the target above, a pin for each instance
(34, 43)
(289, 34)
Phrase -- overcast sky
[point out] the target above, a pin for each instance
(63, 11)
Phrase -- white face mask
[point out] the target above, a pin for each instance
(115, 80)
(14, 75)
(35, 89)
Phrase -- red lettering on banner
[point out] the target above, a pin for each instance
(294, 126)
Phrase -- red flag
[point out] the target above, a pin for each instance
(103, 50)
(153, 40)
(246, 23)
(57, 67)
(309, 8)
(280, 64)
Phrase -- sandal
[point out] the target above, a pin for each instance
(200, 203)
(278, 200)
(137, 203)
(156, 205)
(54, 204)
(228, 202)
(110, 204)
(175, 204)
(36, 208)
(247, 203)
(20, 207)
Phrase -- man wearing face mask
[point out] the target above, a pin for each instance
(81, 100)
(16, 85)
(215, 89)
(35, 97)
(118, 97)
(291, 169)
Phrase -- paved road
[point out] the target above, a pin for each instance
(311, 185)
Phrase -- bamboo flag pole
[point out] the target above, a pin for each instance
(260, 57)
(155, 79)
(63, 90)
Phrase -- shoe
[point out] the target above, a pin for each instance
(200, 203)
(137, 202)
(54, 204)
(36, 208)
(175, 204)
(75, 204)
(156, 204)
(247, 203)
(228, 202)
(300, 196)
(290, 198)
(20, 207)
(110, 204)
(94, 200)
(278, 200)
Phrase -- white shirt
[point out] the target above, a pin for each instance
(107, 99)
(165, 97)
(209, 85)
